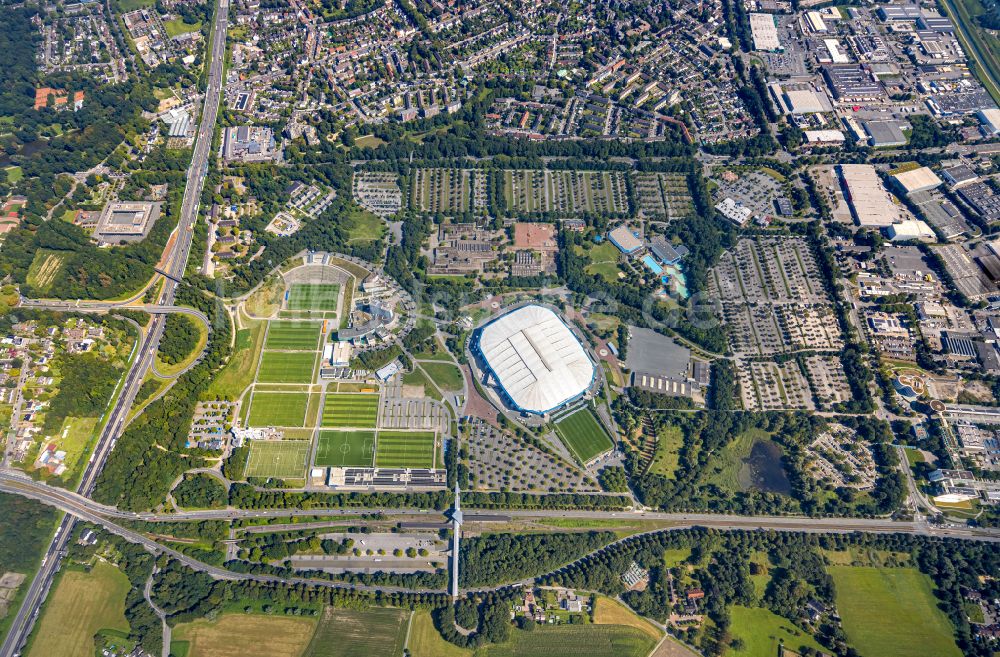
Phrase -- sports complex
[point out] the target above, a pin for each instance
(302, 420)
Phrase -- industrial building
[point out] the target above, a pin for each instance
(990, 118)
(851, 83)
(885, 133)
(916, 180)
(911, 229)
(537, 363)
(248, 144)
(870, 202)
(765, 32)
(626, 240)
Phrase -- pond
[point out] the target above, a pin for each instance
(762, 469)
(30, 148)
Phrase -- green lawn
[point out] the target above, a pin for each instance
(574, 641)
(278, 409)
(293, 336)
(345, 448)
(603, 261)
(178, 26)
(418, 378)
(284, 459)
(372, 632)
(363, 226)
(313, 296)
(892, 612)
(583, 435)
(763, 631)
(74, 436)
(238, 373)
(14, 174)
(287, 367)
(350, 410)
(81, 605)
(445, 375)
(405, 449)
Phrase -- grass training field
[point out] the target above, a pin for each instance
(345, 449)
(278, 409)
(405, 449)
(350, 410)
(445, 375)
(583, 435)
(762, 631)
(892, 612)
(313, 296)
(286, 367)
(283, 459)
(574, 641)
(373, 632)
(301, 336)
(81, 605)
(243, 635)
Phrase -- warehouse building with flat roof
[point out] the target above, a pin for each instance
(871, 204)
(535, 361)
(765, 33)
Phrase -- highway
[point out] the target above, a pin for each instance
(177, 260)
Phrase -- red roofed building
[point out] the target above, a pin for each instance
(59, 98)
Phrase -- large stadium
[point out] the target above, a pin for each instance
(536, 361)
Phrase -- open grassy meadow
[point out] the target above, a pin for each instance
(292, 336)
(445, 375)
(287, 367)
(238, 373)
(583, 435)
(603, 261)
(80, 606)
(892, 612)
(278, 409)
(350, 410)
(668, 451)
(44, 268)
(405, 449)
(345, 448)
(244, 635)
(426, 641)
(574, 641)
(178, 26)
(284, 459)
(763, 631)
(373, 632)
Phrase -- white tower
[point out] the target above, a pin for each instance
(456, 524)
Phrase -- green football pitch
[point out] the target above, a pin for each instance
(286, 367)
(313, 296)
(405, 449)
(350, 410)
(284, 459)
(278, 409)
(583, 435)
(302, 336)
(345, 449)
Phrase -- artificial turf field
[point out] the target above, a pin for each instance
(583, 435)
(286, 367)
(284, 459)
(301, 336)
(278, 409)
(405, 449)
(350, 410)
(341, 449)
(313, 296)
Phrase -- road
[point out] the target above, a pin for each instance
(24, 620)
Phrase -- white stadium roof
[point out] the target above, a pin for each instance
(536, 358)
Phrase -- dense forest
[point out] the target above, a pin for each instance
(494, 559)
(180, 337)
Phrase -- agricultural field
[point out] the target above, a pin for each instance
(239, 635)
(373, 632)
(892, 612)
(571, 192)
(608, 611)
(345, 449)
(763, 632)
(278, 409)
(82, 604)
(405, 449)
(286, 367)
(445, 375)
(313, 296)
(44, 269)
(292, 336)
(283, 459)
(583, 435)
(350, 410)
(573, 641)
